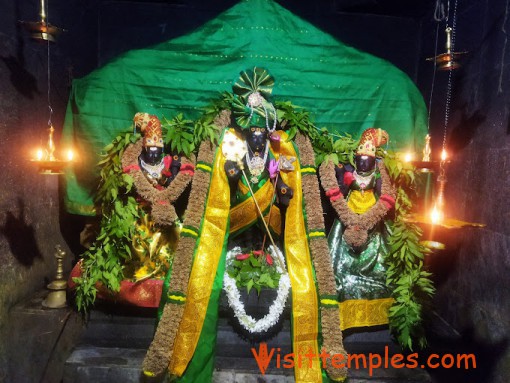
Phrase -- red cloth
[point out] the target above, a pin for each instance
(388, 201)
(142, 294)
(348, 178)
(167, 161)
(334, 194)
(129, 168)
(188, 169)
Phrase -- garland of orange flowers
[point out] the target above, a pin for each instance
(357, 225)
(162, 209)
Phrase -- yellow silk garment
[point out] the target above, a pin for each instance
(215, 227)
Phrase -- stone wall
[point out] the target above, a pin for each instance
(30, 224)
(473, 286)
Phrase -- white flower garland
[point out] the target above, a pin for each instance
(234, 297)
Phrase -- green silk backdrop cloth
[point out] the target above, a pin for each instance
(345, 90)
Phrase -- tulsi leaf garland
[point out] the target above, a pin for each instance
(412, 287)
(160, 351)
(162, 209)
(103, 261)
(357, 225)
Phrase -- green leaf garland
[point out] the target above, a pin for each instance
(412, 287)
(102, 262)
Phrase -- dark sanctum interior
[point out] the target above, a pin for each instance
(468, 113)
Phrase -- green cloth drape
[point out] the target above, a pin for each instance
(346, 90)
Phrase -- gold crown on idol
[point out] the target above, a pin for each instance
(370, 140)
(150, 127)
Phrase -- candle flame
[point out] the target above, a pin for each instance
(408, 157)
(39, 155)
(444, 155)
(70, 155)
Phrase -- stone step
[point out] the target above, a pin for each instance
(115, 365)
(105, 329)
(104, 364)
(115, 342)
(40, 340)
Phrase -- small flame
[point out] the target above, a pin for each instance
(444, 155)
(408, 157)
(436, 215)
(39, 155)
(70, 155)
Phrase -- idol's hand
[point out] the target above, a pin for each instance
(285, 192)
(233, 171)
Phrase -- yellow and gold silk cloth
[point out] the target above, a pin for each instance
(364, 312)
(152, 248)
(246, 213)
(361, 201)
(210, 248)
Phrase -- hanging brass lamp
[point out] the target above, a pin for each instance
(448, 60)
(42, 30)
(46, 160)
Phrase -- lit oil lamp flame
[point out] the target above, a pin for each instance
(444, 155)
(408, 157)
(436, 215)
(39, 155)
(45, 157)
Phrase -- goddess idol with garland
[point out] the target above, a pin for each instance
(159, 179)
(362, 195)
(256, 192)
(138, 229)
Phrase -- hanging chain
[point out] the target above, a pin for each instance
(49, 71)
(442, 172)
(433, 78)
(439, 14)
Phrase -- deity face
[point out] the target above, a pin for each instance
(256, 138)
(364, 164)
(152, 154)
